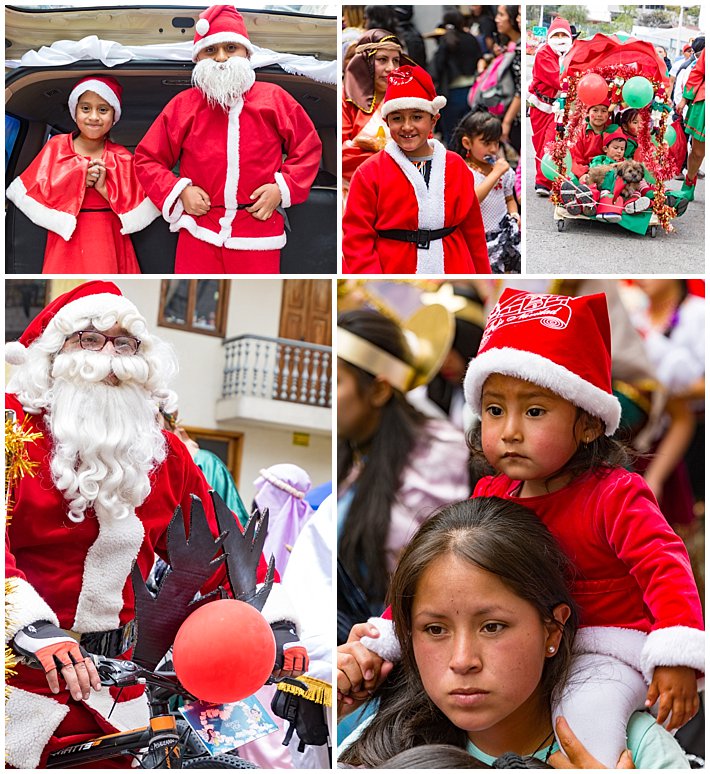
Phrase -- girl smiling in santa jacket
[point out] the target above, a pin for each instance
(412, 207)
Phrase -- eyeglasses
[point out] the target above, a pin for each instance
(95, 342)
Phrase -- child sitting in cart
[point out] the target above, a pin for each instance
(589, 143)
(477, 140)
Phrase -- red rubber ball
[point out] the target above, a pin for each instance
(224, 651)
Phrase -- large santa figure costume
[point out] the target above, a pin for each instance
(261, 135)
(106, 483)
(402, 218)
(632, 580)
(543, 91)
(88, 234)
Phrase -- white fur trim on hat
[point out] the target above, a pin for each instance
(15, 353)
(98, 87)
(221, 37)
(59, 222)
(413, 103)
(541, 371)
(202, 27)
(387, 645)
(30, 721)
(673, 646)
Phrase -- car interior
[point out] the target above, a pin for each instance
(37, 97)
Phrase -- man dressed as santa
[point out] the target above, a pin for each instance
(244, 147)
(543, 92)
(90, 379)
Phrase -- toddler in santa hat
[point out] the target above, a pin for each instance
(82, 188)
(412, 207)
(541, 385)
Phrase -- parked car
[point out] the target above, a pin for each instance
(36, 109)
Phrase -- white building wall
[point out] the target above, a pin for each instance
(254, 307)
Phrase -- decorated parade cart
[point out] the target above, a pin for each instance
(628, 73)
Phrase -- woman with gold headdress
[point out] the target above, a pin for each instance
(395, 466)
(377, 54)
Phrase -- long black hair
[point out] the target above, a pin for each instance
(363, 537)
(503, 538)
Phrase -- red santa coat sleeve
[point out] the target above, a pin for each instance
(50, 191)
(657, 559)
(545, 78)
(359, 233)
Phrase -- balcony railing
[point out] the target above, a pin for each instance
(277, 369)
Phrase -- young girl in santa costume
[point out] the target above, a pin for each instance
(82, 188)
(543, 91)
(548, 415)
(412, 207)
(477, 140)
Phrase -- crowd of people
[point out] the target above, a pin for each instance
(603, 450)
(396, 103)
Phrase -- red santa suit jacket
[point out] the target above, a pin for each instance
(545, 79)
(633, 580)
(587, 145)
(52, 190)
(388, 192)
(78, 577)
(230, 153)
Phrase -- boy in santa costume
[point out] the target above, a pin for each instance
(412, 207)
(589, 143)
(543, 92)
(244, 147)
(90, 380)
(547, 417)
(83, 189)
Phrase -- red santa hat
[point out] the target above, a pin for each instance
(559, 25)
(613, 132)
(411, 88)
(108, 88)
(557, 342)
(86, 301)
(220, 24)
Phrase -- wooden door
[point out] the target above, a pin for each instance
(306, 315)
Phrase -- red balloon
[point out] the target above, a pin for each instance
(224, 651)
(592, 89)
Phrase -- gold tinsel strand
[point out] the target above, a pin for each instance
(17, 465)
(318, 691)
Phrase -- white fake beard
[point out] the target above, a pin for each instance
(223, 82)
(560, 46)
(106, 437)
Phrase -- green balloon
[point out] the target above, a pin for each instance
(550, 170)
(670, 135)
(637, 92)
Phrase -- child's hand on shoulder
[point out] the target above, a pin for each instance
(676, 690)
(268, 198)
(195, 200)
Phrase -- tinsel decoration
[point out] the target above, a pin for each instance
(654, 157)
(17, 465)
(318, 691)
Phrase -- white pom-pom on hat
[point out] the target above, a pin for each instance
(15, 353)
(202, 27)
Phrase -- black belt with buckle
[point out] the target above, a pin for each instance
(421, 238)
(110, 644)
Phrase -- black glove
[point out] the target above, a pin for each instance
(291, 656)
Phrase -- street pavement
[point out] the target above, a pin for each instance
(591, 247)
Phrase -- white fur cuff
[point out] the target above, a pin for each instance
(30, 721)
(283, 189)
(139, 217)
(386, 645)
(24, 606)
(172, 213)
(279, 607)
(673, 646)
